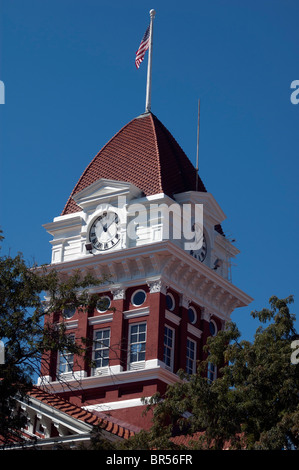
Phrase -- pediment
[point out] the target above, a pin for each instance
(105, 189)
(210, 205)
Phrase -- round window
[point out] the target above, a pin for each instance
(138, 297)
(192, 317)
(103, 304)
(69, 311)
(213, 328)
(170, 304)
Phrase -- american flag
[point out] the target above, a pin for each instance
(144, 45)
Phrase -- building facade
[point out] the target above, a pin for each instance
(132, 219)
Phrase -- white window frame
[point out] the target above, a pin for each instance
(215, 326)
(139, 364)
(188, 358)
(101, 299)
(211, 372)
(173, 302)
(102, 368)
(169, 348)
(68, 363)
(195, 315)
(136, 292)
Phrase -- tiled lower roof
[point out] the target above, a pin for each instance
(93, 419)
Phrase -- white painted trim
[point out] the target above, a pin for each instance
(70, 324)
(109, 370)
(115, 369)
(195, 314)
(151, 363)
(194, 331)
(64, 223)
(159, 248)
(115, 405)
(157, 371)
(137, 312)
(215, 326)
(44, 380)
(172, 317)
(108, 317)
(50, 412)
(79, 374)
(51, 441)
(135, 365)
(169, 294)
(103, 189)
(134, 293)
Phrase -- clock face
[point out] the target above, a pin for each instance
(202, 252)
(104, 232)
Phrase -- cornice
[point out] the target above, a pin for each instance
(161, 265)
(121, 378)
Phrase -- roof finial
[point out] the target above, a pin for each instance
(149, 66)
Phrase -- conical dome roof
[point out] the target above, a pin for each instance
(145, 154)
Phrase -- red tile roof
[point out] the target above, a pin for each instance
(60, 404)
(145, 154)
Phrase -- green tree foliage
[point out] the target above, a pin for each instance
(254, 402)
(23, 314)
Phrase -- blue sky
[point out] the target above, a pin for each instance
(71, 84)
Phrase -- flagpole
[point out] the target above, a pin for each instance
(198, 118)
(149, 66)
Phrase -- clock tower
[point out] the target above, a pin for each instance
(133, 219)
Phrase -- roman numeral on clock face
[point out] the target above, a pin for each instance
(104, 231)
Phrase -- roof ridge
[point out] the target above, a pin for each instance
(174, 145)
(152, 116)
(91, 162)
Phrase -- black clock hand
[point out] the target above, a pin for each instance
(110, 224)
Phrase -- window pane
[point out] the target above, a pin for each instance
(137, 342)
(101, 348)
(212, 328)
(103, 304)
(190, 359)
(169, 302)
(142, 337)
(168, 347)
(66, 360)
(134, 338)
(191, 315)
(138, 297)
(212, 372)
